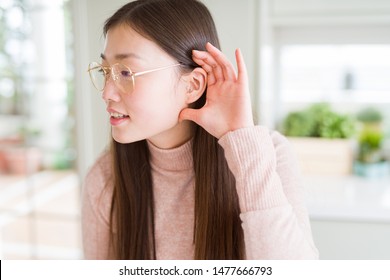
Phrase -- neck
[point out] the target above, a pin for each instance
(173, 137)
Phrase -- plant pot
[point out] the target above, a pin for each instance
(3, 163)
(372, 170)
(22, 160)
(6, 144)
(320, 156)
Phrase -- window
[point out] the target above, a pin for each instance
(335, 73)
(39, 211)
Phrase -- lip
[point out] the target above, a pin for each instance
(111, 110)
(116, 121)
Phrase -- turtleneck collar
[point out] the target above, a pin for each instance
(176, 159)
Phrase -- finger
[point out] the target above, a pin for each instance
(209, 60)
(191, 115)
(242, 75)
(211, 78)
(223, 62)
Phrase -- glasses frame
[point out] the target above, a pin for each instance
(109, 70)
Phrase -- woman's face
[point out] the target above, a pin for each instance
(151, 110)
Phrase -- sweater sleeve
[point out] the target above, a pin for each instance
(96, 202)
(273, 213)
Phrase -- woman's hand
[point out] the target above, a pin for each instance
(228, 105)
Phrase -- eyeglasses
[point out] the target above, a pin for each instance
(122, 75)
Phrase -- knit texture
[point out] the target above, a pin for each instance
(273, 213)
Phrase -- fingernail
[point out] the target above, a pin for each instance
(211, 45)
(196, 52)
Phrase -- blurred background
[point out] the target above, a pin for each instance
(319, 73)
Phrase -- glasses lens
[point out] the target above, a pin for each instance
(98, 76)
(123, 78)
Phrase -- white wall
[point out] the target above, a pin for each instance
(320, 8)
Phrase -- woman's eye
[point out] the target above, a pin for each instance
(125, 74)
(101, 72)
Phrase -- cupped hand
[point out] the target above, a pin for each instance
(228, 104)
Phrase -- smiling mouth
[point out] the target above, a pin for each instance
(118, 116)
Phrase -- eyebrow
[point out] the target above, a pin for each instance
(122, 56)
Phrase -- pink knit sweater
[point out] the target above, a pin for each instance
(274, 218)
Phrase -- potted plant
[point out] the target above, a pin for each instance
(321, 140)
(18, 156)
(370, 161)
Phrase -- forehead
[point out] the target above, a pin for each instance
(123, 42)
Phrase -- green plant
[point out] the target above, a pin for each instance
(298, 124)
(318, 120)
(371, 136)
(370, 144)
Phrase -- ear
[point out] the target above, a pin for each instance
(196, 84)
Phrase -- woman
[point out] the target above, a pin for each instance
(188, 175)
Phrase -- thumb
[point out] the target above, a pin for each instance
(190, 114)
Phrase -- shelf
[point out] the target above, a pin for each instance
(348, 198)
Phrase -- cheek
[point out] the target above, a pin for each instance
(163, 111)
(155, 102)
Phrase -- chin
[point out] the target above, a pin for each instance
(125, 140)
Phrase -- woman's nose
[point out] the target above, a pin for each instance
(111, 92)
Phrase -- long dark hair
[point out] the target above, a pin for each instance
(178, 27)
